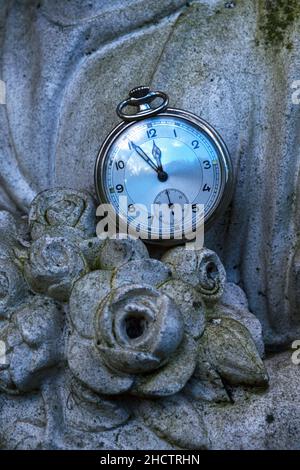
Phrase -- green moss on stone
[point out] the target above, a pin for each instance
(277, 17)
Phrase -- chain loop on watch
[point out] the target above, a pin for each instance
(141, 97)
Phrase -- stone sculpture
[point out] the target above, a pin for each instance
(112, 334)
(236, 70)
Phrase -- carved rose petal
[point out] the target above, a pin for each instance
(13, 288)
(87, 294)
(115, 253)
(131, 361)
(88, 367)
(54, 265)
(40, 322)
(172, 377)
(145, 271)
(190, 303)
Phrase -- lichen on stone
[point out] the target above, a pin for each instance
(277, 19)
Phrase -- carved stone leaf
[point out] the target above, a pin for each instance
(228, 346)
(176, 420)
(234, 304)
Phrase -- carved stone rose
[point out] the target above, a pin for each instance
(139, 345)
(62, 212)
(54, 264)
(13, 288)
(235, 52)
(202, 268)
(128, 341)
(34, 344)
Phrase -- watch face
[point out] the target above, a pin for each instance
(172, 159)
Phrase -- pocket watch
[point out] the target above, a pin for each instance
(162, 157)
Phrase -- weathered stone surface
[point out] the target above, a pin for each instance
(13, 288)
(268, 420)
(90, 412)
(190, 304)
(265, 420)
(87, 294)
(34, 341)
(177, 420)
(147, 271)
(88, 367)
(138, 329)
(109, 340)
(115, 253)
(255, 42)
(174, 375)
(232, 57)
(234, 304)
(135, 343)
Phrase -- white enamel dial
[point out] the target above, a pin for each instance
(186, 154)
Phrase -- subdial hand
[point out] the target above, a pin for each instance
(170, 203)
(168, 196)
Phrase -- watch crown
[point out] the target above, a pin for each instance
(139, 92)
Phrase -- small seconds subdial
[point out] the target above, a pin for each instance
(171, 200)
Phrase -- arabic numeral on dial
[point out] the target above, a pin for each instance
(206, 164)
(119, 188)
(195, 208)
(151, 133)
(206, 187)
(131, 208)
(120, 165)
(195, 144)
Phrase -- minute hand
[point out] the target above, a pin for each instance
(142, 154)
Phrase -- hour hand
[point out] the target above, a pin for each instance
(156, 152)
(145, 157)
